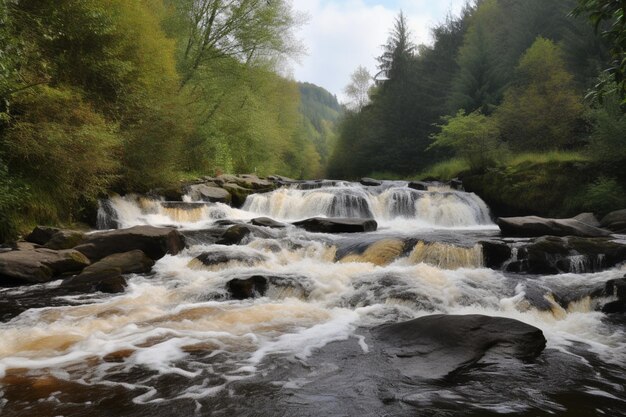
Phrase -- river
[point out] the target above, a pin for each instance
(177, 343)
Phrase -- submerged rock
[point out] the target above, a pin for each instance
(262, 285)
(615, 221)
(441, 345)
(337, 225)
(615, 288)
(39, 265)
(583, 225)
(219, 257)
(155, 242)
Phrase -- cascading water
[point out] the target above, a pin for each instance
(178, 341)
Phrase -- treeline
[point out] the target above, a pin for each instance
(503, 78)
(99, 95)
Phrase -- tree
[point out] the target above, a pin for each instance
(611, 13)
(358, 89)
(542, 109)
(473, 137)
(394, 62)
(246, 30)
(608, 138)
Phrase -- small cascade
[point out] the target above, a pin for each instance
(446, 256)
(580, 264)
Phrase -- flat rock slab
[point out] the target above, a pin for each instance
(533, 226)
(337, 225)
(39, 265)
(155, 242)
(203, 192)
(437, 346)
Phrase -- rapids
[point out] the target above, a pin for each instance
(177, 343)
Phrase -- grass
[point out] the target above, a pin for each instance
(544, 158)
(445, 170)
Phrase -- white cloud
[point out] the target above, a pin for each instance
(340, 35)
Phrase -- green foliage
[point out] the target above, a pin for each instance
(473, 137)
(603, 196)
(541, 110)
(12, 198)
(608, 138)
(611, 13)
(532, 158)
(63, 150)
(446, 170)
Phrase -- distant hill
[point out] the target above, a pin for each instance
(320, 113)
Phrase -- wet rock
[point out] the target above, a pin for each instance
(171, 193)
(370, 182)
(418, 185)
(106, 274)
(218, 257)
(381, 252)
(267, 222)
(554, 255)
(65, 239)
(441, 345)
(262, 285)
(155, 242)
(337, 225)
(533, 226)
(495, 254)
(238, 193)
(39, 265)
(456, 184)
(234, 235)
(615, 288)
(615, 221)
(203, 192)
(203, 236)
(107, 280)
(41, 234)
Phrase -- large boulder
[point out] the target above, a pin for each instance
(583, 225)
(106, 274)
(238, 193)
(39, 265)
(615, 221)
(337, 225)
(41, 234)
(203, 192)
(441, 345)
(65, 239)
(155, 242)
(418, 185)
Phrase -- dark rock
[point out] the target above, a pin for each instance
(202, 236)
(615, 288)
(171, 193)
(235, 234)
(106, 274)
(217, 257)
(267, 222)
(155, 242)
(370, 182)
(238, 193)
(439, 346)
(615, 221)
(203, 192)
(65, 239)
(107, 280)
(261, 285)
(41, 234)
(533, 226)
(39, 265)
(337, 225)
(241, 289)
(554, 255)
(495, 254)
(418, 185)
(456, 184)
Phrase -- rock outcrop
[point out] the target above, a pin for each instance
(584, 225)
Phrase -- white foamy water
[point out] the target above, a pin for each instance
(181, 321)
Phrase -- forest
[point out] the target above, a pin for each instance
(523, 99)
(112, 95)
(520, 98)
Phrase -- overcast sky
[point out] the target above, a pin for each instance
(340, 35)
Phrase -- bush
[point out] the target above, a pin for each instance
(603, 196)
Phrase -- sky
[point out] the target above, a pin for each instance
(340, 35)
